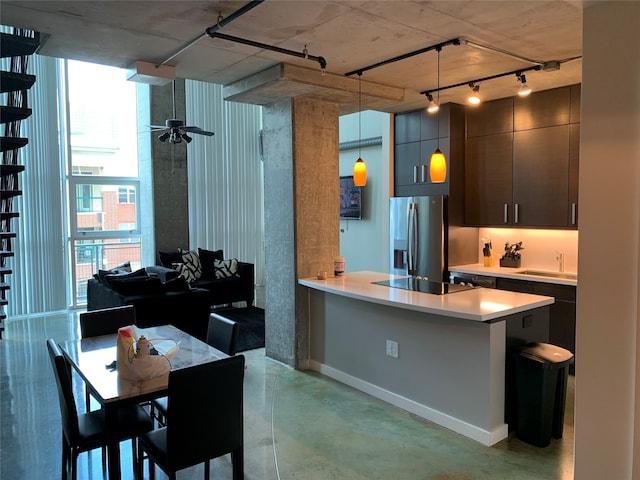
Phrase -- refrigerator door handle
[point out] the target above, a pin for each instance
(412, 239)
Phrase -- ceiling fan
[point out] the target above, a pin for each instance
(175, 130)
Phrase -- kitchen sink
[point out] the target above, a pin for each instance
(543, 273)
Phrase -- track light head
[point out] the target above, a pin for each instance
(433, 107)
(474, 97)
(524, 88)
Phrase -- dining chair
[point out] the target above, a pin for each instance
(87, 431)
(222, 334)
(204, 420)
(105, 321)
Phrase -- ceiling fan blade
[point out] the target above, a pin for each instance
(197, 130)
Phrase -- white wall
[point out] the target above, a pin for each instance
(607, 420)
(365, 243)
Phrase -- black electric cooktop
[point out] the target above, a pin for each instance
(424, 286)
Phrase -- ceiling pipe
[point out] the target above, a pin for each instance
(455, 41)
(214, 28)
(273, 48)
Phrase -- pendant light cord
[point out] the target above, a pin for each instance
(359, 114)
(438, 133)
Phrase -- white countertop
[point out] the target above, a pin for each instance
(515, 273)
(479, 304)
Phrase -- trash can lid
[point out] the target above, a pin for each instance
(546, 353)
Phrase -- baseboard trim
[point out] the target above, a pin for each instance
(485, 437)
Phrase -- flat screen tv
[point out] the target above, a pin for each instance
(350, 199)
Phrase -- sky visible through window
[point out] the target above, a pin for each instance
(103, 126)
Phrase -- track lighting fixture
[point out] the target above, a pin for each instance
(474, 97)
(433, 107)
(524, 88)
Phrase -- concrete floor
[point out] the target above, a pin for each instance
(298, 425)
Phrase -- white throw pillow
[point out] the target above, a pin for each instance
(226, 268)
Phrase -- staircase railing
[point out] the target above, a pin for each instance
(15, 83)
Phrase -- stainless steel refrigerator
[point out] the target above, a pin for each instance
(418, 237)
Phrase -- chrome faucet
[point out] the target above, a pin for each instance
(560, 260)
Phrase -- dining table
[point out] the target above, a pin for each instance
(94, 359)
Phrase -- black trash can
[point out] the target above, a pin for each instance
(542, 370)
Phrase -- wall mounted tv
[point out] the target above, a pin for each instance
(350, 199)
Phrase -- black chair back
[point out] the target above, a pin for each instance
(106, 321)
(62, 374)
(223, 334)
(205, 413)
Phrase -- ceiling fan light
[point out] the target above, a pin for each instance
(186, 138)
(163, 137)
(175, 138)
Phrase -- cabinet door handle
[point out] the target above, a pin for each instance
(506, 213)
(516, 208)
(423, 176)
(573, 213)
(415, 174)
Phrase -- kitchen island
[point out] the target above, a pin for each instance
(441, 357)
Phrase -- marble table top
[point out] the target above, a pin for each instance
(92, 358)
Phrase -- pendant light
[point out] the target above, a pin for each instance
(360, 168)
(438, 164)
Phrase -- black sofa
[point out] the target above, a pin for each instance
(158, 298)
(239, 287)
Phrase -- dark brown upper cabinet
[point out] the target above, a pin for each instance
(417, 135)
(541, 177)
(542, 109)
(490, 118)
(521, 162)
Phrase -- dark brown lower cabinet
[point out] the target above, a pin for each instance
(562, 313)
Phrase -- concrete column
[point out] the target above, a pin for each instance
(300, 143)
(170, 185)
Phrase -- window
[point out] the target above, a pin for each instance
(126, 195)
(103, 183)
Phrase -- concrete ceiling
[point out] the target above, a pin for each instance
(349, 34)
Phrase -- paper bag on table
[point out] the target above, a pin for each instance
(134, 358)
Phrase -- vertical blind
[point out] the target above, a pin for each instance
(39, 272)
(225, 176)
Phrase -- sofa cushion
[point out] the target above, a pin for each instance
(207, 258)
(110, 275)
(129, 286)
(226, 268)
(123, 268)
(177, 284)
(191, 269)
(167, 259)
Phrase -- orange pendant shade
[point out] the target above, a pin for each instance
(438, 167)
(360, 173)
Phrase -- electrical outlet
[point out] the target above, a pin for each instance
(392, 348)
